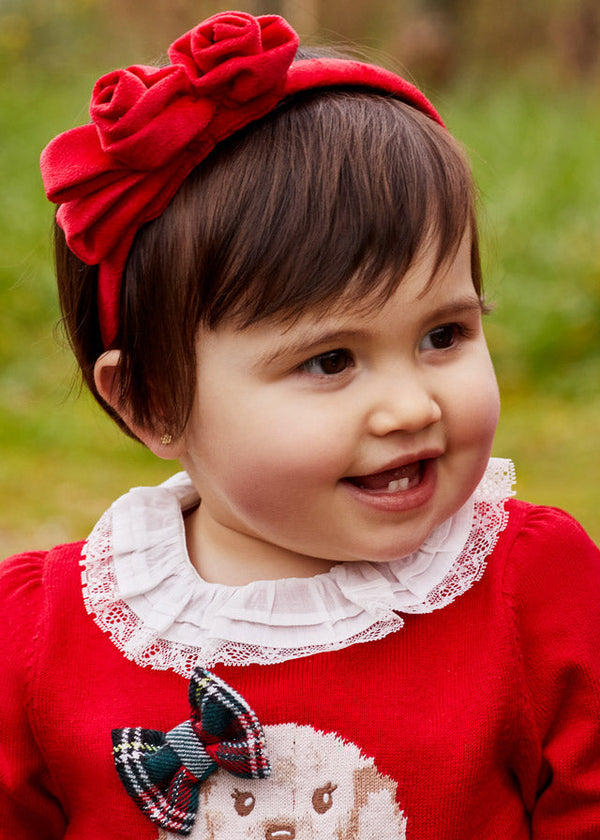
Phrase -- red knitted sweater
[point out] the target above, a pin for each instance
(475, 722)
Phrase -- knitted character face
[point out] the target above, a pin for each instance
(350, 434)
(320, 788)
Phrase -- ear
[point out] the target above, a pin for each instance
(107, 371)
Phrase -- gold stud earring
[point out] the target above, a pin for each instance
(166, 439)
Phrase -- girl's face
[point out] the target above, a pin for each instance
(349, 435)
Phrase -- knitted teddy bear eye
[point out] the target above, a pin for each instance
(322, 799)
(243, 802)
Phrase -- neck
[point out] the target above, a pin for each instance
(222, 555)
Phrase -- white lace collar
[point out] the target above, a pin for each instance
(140, 586)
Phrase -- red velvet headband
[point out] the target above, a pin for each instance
(152, 125)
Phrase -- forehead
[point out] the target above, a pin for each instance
(368, 291)
(348, 192)
(422, 296)
(429, 278)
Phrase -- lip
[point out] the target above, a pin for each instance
(405, 500)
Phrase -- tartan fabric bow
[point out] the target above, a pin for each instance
(162, 771)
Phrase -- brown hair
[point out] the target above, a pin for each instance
(333, 188)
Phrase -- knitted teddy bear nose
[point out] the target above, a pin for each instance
(280, 832)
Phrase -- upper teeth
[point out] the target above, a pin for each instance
(398, 484)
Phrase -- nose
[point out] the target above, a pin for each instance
(280, 832)
(403, 404)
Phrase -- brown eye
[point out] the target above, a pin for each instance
(442, 337)
(328, 364)
(243, 802)
(321, 798)
(334, 362)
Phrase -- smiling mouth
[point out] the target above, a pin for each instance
(397, 480)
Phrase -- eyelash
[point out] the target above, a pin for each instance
(343, 357)
(330, 357)
(458, 331)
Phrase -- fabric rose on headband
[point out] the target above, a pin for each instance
(220, 65)
(150, 127)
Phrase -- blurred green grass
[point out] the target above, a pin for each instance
(534, 150)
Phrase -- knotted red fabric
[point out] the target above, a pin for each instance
(152, 125)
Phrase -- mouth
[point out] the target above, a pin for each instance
(397, 489)
(396, 480)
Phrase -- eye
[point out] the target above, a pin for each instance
(442, 337)
(243, 802)
(322, 799)
(328, 364)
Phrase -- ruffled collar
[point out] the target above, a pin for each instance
(140, 586)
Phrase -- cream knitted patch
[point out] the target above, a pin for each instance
(321, 787)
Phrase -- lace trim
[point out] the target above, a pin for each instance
(489, 520)
(373, 604)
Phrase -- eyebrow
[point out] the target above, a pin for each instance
(468, 303)
(307, 341)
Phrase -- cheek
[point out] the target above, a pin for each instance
(261, 463)
(273, 474)
(483, 408)
(489, 402)
(283, 438)
(477, 403)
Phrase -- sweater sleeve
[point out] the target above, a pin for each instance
(553, 586)
(29, 807)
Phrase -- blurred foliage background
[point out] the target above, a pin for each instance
(518, 83)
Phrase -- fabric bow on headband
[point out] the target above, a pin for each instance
(152, 125)
(162, 772)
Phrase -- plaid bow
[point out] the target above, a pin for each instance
(162, 771)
